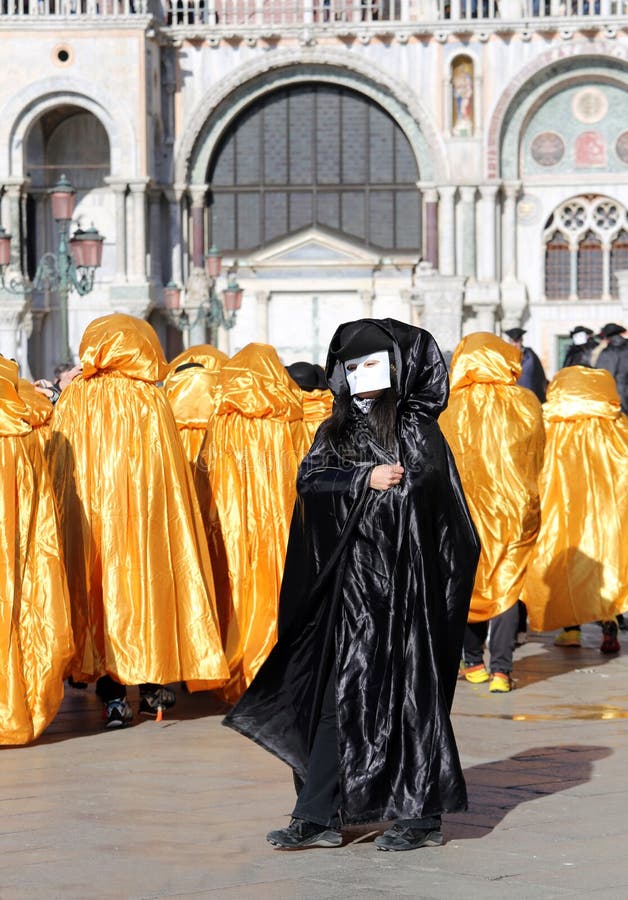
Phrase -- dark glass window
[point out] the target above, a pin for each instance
(619, 259)
(309, 155)
(557, 268)
(590, 268)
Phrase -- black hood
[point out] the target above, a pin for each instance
(422, 381)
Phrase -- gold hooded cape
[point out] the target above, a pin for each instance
(40, 411)
(35, 633)
(138, 567)
(192, 394)
(495, 431)
(252, 456)
(579, 570)
(317, 406)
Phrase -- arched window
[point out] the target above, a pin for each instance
(314, 154)
(586, 241)
(619, 259)
(462, 96)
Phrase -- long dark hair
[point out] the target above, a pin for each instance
(381, 419)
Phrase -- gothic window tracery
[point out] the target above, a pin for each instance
(586, 242)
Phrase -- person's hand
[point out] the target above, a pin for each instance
(68, 376)
(384, 477)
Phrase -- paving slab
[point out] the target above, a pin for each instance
(180, 808)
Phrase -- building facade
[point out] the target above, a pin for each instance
(462, 165)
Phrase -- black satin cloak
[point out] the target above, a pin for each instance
(380, 581)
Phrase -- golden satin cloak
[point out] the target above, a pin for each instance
(579, 570)
(143, 605)
(317, 405)
(35, 632)
(40, 411)
(191, 394)
(495, 431)
(255, 446)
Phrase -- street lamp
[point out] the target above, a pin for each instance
(71, 268)
(210, 310)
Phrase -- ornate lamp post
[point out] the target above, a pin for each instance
(210, 310)
(71, 268)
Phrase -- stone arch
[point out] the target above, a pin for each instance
(22, 111)
(224, 102)
(547, 73)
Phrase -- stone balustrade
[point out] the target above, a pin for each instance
(329, 15)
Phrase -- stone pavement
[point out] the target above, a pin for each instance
(180, 808)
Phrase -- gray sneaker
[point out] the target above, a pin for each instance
(405, 837)
(300, 834)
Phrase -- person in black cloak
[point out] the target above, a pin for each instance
(533, 374)
(356, 694)
(580, 351)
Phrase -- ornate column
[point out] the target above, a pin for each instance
(175, 195)
(198, 193)
(366, 296)
(430, 222)
(15, 314)
(513, 292)
(137, 244)
(119, 189)
(154, 225)
(446, 230)
(487, 233)
(467, 213)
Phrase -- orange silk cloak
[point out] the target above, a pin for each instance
(40, 411)
(495, 431)
(317, 405)
(579, 570)
(252, 456)
(143, 604)
(35, 632)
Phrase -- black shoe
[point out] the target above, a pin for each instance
(300, 834)
(151, 702)
(404, 837)
(117, 713)
(623, 624)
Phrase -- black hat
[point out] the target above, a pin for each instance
(611, 329)
(361, 338)
(305, 374)
(580, 328)
(322, 381)
(515, 333)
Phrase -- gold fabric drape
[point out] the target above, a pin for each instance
(317, 406)
(252, 456)
(495, 431)
(35, 633)
(143, 604)
(192, 395)
(579, 570)
(40, 411)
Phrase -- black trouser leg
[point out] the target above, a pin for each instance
(522, 624)
(429, 823)
(473, 645)
(502, 641)
(319, 798)
(108, 689)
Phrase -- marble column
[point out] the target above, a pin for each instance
(367, 297)
(119, 189)
(175, 195)
(154, 223)
(446, 230)
(198, 194)
(467, 214)
(510, 191)
(487, 233)
(137, 254)
(430, 224)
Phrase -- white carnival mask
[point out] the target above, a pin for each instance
(580, 337)
(368, 373)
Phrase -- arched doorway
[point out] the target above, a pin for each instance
(68, 140)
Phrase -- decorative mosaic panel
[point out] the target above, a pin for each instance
(578, 130)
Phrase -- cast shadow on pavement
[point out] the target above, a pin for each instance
(496, 788)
